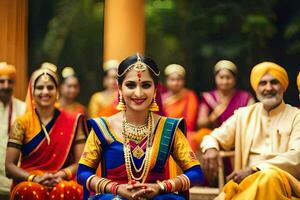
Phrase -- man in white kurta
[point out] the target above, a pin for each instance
(266, 140)
(10, 108)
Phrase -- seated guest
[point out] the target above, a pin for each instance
(10, 108)
(266, 139)
(104, 103)
(218, 105)
(135, 144)
(179, 101)
(45, 144)
(69, 90)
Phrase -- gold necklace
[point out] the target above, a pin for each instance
(129, 162)
(136, 133)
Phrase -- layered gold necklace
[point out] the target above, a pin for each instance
(137, 135)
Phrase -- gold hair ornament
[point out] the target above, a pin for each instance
(67, 71)
(138, 66)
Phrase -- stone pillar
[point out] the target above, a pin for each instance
(124, 28)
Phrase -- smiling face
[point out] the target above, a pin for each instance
(225, 80)
(137, 90)
(269, 91)
(70, 88)
(45, 92)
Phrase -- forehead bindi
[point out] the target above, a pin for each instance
(138, 76)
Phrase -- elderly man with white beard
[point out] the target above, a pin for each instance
(266, 140)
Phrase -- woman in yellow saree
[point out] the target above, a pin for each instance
(48, 143)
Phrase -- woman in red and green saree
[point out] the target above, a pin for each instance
(135, 144)
(45, 144)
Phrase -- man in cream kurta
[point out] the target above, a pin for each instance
(264, 135)
(10, 108)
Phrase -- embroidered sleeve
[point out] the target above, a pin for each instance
(80, 136)
(16, 136)
(92, 153)
(182, 152)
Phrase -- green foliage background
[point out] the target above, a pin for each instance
(194, 33)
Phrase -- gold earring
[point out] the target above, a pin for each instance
(121, 105)
(153, 106)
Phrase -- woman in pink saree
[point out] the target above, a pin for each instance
(219, 104)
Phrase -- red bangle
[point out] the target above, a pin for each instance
(114, 188)
(169, 186)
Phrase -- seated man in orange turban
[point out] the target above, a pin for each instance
(266, 139)
(10, 107)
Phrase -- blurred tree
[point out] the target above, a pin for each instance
(68, 33)
(198, 33)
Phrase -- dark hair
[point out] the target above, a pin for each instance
(133, 59)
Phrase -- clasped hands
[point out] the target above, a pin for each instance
(210, 166)
(135, 190)
(49, 179)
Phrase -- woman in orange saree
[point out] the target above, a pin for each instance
(45, 144)
(69, 90)
(178, 101)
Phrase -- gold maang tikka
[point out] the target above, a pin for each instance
(45, 77)
(139, 67)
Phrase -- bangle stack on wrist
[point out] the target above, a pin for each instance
(101, 185)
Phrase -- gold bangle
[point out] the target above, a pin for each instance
(183, 183)
(161, 185)
(103, 186)
(88, 182)
(68, 172)
(99, 182)
(31, 177)
(187, 180)
(173, 185)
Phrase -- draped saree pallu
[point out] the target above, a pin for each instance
(184, 104)
(102, 105)
(209, 100)
(113, 161)
(39, 157)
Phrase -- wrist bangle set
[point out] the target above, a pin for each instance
(100, 185)
(170, 184)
